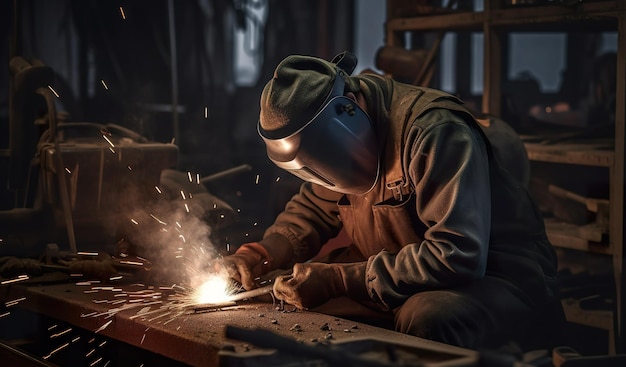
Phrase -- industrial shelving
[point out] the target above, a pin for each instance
(495, 21)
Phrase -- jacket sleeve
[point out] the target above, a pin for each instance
(449, 168)
(309, 220)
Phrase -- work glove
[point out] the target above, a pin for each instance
(312, 284)
(250, 261)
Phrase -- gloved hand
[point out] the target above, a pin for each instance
(250, 261)
(312, 284)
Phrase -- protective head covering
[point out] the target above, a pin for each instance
(313, 131)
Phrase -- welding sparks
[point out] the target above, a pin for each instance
(108, 141)
(158, 220)
(104, 84)
(20, 278)
(215, 289)
(61, 333)
(56, 350)
(104, 326)
(137, 263)
(13, 302)
(122, 13)
(83, 253)
(53, 91)
(192, 251)
(206, 112)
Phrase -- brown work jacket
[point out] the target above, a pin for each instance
(441, 214)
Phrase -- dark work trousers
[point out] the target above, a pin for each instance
(485, 314)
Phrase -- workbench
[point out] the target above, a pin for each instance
(191, 338)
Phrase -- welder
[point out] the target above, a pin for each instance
(444, 238)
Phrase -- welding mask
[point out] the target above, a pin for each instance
(337, 148)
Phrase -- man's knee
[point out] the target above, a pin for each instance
(424, 312)
(444, 316)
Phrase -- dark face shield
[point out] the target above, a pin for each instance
(336, 149)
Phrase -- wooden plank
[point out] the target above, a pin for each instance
(568, 236)
(553, 13)
(581, 154)
(600, 319)
(597, 318)
(447, 22)
(531, 15)
(592, 232)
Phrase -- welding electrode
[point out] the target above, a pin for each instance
(234, 298)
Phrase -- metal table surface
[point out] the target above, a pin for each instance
(192, 338)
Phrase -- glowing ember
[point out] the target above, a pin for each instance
(214, 290)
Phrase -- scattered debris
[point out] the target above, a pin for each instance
(296, 327)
